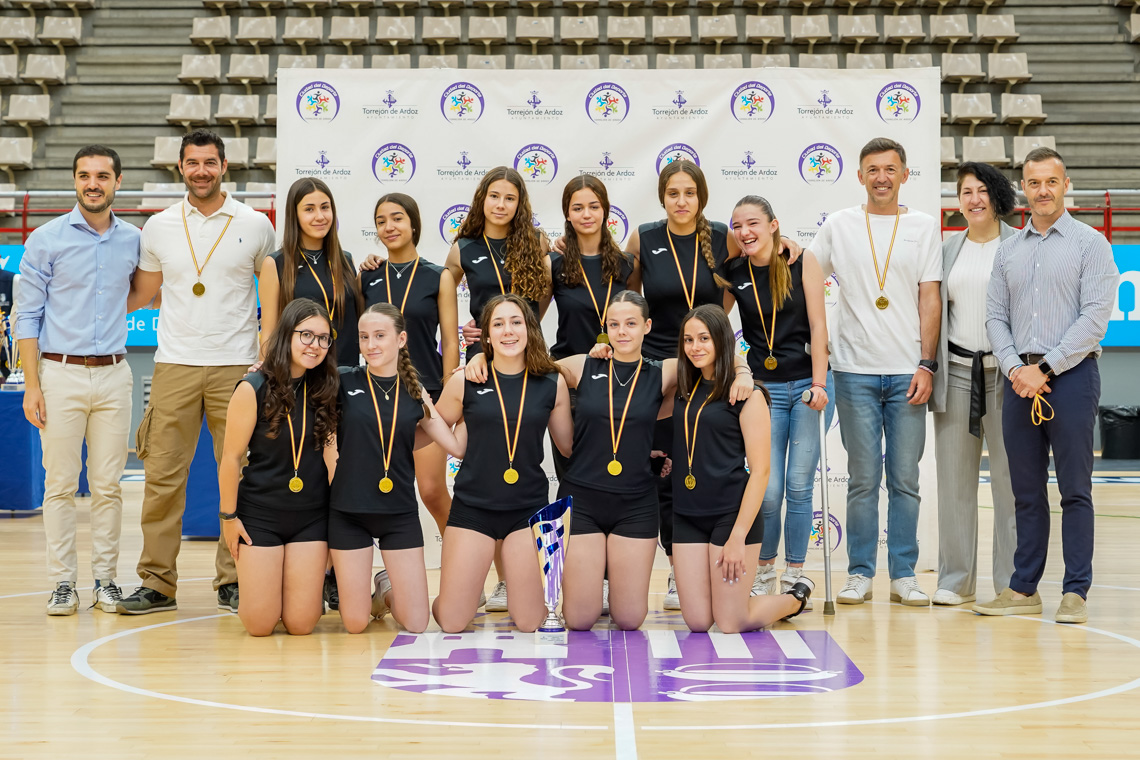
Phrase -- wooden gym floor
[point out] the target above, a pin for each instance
(896, 681)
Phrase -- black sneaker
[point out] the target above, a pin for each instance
(228, 597)
(145, 601)
(332, 595)
(801, 590)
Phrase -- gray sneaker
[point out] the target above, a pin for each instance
(107, 596)
(64, 600)
(380, 607)
(228, 597)
(145, 601)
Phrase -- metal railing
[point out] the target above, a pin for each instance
(1089, 212)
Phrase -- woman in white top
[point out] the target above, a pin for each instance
(966, 399)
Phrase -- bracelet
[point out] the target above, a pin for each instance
(819, 385)
(928, 369)
(743, 371)
(227, 516)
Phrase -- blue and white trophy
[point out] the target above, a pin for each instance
(551, 528)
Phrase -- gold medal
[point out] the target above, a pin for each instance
(881, 302)
(298, 447)
(511, 476)
(691, 443)
(614, 468)
(690, 482)
(386, 484)
(334, 333)
(603, 338)
(769, 335)
(770, 362)
(199, 289)
(296, 484)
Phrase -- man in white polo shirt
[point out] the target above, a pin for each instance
(888, 261)
(205, 253)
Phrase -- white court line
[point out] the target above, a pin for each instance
(730, 646)
(793, 645)
(625, 738)
(83, 667)
(1131, 685)
(86, 588)
(663, 644)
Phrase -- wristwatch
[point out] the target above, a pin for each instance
(1045, 368)
(930, 364)
(226, 516)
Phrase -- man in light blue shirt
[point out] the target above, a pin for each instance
(71, 325)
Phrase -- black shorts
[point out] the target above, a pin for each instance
(355, 530)
(496, 523)
(713, 529)
(628, 515)
(277, 527)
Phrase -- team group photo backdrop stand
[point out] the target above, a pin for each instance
(790, 135)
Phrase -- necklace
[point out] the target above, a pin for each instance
(388, 282)
(494, 263)
(400, 272)
(386, 484)
(387, 391)
(633, 375)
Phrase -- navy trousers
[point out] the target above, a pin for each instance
(1074, 398)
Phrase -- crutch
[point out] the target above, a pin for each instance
(828, 601)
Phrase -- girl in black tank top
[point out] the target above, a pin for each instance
(501, 482)
(499, 251)
(284, 416)
(716, 496)
(311, 264)
(426, 295)
(383, 412)
(785, 325)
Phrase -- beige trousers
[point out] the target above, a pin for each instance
(92, 403)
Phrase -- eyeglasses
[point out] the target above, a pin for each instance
(308, 336)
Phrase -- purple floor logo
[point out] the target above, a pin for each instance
(607, 103)
(462, 102)
(537, 163)
(618, 666)
(898, 102)
(677, 152)
(394, 163)
(618, 224)
(452, 220)
(821, 164)
(753, 102)
(318, 101)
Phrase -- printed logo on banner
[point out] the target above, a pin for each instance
(462, 102)
(318, 102)
(394, 163)
(609, 168)
(537, 163)
(898, 103)
(680, 109)
(618, 224)
(323, 166)
(451, 220)
(752, 102)
(805, 235)
(749, 169)
(461, 166)
(391, 108)
(821, 164)
(815, 541)
(677, 152)
(536, 108)
(607, 103)
(616, 666)
(825, 108)
(742, 346)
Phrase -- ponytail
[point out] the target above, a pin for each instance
(779, 273)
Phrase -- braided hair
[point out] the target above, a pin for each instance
(704, 230)
(405, 370)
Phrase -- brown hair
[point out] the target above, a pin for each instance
(537, 358)
(404, 367)
(633, 297)
(1043, 154)
(704, 231)
(410, 207)
(323, 380)
(339, 269)
(882, 145)
(779, 274)
(529, 277)
(612, 256)
(720, 330)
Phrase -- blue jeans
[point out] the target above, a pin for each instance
(795, 457)
(871, 407)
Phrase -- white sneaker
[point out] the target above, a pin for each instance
(482, 601)
(856, 590)
(790, 577)
(64, 600)
(107, 595)
(671, 601)
(383, 586)
(605, 597)
(950, 599)
(497, 602)
(764, 584)
(908, 592)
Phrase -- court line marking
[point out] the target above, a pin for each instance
(86, 588)
(1112, 691)
(79, 661)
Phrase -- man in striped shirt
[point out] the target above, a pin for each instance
(1050, 297)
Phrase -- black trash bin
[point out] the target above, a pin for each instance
(1120, 432)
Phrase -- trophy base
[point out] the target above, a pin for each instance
(551, 636)
(13, 387)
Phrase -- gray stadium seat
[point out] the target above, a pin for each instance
(673, 61)
(723, 61)
(769, 61)
(950, 29)
(237, 110)
(489, 31)
(211, 30)
(579, 62)
(441, 31)
(811, 29)
(396, 30)
(248, 70)
(579, 30)
(189, 110)
(625, 30)
(28, 111)
(988, 150)
(166, 153)
(1011, 68)
(858, 29)
(9, 69)
(237, 152)
(764, 29)
(534, 62)
(866, 61)
(1022, 110)
(904, 29)
(261, 202)
(302, 31)
(45, 69)
(291, 61)
(962, 67)
(911, 60)
(349, 31)
(949, 152)
(62, 31)
(342, 61)
(998, 29)
(200, 69)
(266, 156)
(629, 62)
(672, 29)
(1023, 145)
(17, 31)
(818, 61)
(256, 31)
(270, 114)
(438, 62)
(15, 153)
(493, 62)
(971, 108)
(534, 31)
(392, 61)
(717, 30)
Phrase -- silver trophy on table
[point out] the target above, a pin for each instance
(10, 350)
(551, 528)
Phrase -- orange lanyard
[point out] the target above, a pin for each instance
(388, 283)
(385, 482)
(689, 294)
(614, 467)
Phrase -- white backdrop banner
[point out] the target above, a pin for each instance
(790, 135)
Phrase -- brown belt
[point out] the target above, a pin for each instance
(85, 361)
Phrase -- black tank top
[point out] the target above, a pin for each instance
(578, 323)
(480, 480)
(421, 311)
(478, 263)
(718, 461)
(593, 447)
(355, 486)
(663, 286)
(265, 479)
(793, 332)
(346, 346)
